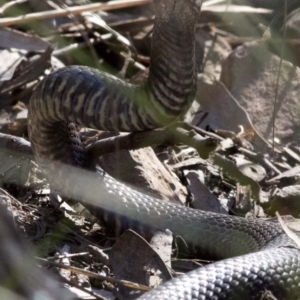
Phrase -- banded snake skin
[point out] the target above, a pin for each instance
(258, 255)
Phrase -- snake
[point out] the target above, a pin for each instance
(254, 256)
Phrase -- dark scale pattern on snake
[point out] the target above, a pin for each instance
(258, 255)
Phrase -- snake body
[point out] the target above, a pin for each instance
(261, 256)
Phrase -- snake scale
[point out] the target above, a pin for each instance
(258, 255)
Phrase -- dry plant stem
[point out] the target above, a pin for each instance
(259, 158)
(81, 238)
(206, 133)
(95, 251)
(130, 141)
(139, 140)
(118, 4)
(96, 276)
(10, 4)
(13, 143)
(75, 10)
(235, 41)
(84, 34)
(212, 2)
(236, 9)
(135, 63)
(67, 255)
(75, 46)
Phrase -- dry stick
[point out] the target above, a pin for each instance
(126, 283)
(138, 140)
(130, 141)
(14, 143)
(84, 34)
(75, 10)
(118, 4)
(70, 255)
(240, 40)
(212, 2)
(10, 4)
(75, 46)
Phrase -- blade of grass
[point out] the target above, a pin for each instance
(278, 76)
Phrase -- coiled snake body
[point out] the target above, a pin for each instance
(264, 257)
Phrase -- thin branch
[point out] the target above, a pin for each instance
(14, 143)
(131, 141)
(118, 4)
(10, 4)
(75, 10)
(138, 140)
(126, 283)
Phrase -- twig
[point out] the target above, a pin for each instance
(259, 159)
(138, 140)
(60, 256)
(14, 143)
(75, 46)
(10, 4)
(240, 40)
(212, 2)
(83, 33)
(126, 283)
(75, 10)
(118, 4)
(235, 9)
(131, 141)
(278, 76)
